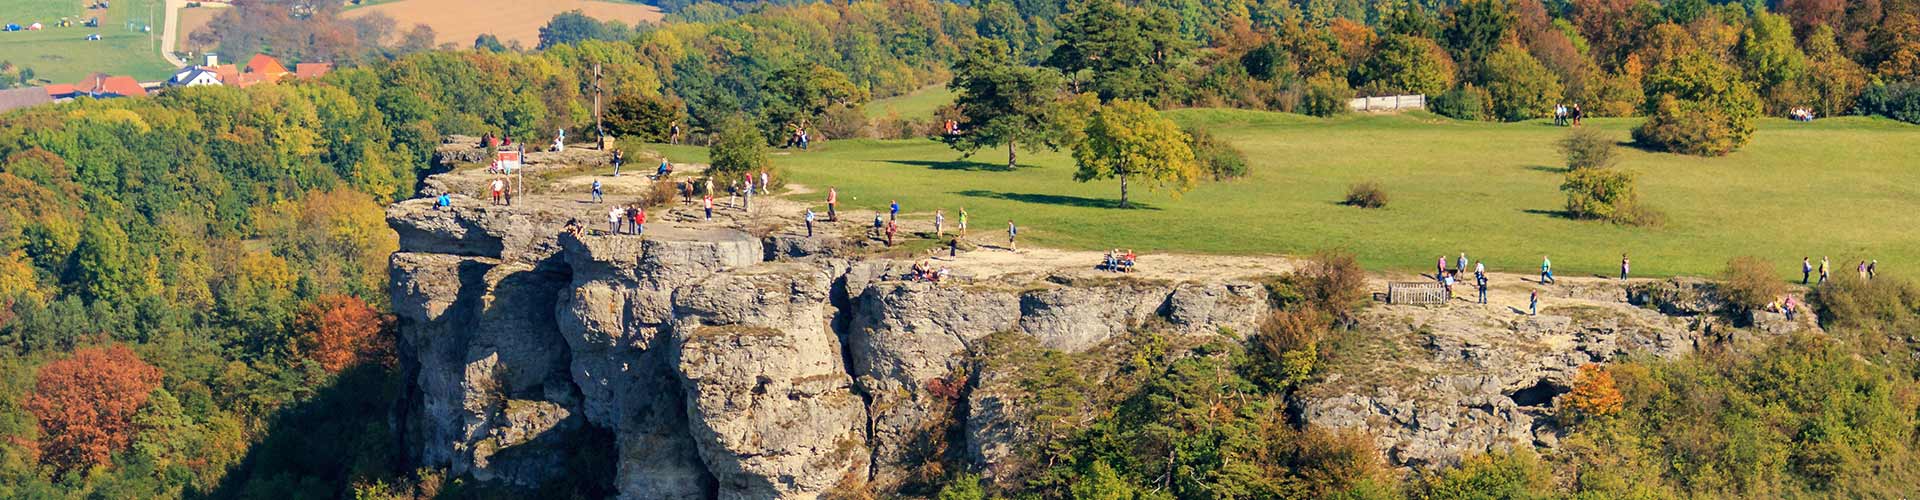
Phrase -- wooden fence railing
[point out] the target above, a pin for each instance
(1388, 104)
(1416, 293)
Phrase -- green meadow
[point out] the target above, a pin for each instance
(1847, 188)
(64, 55)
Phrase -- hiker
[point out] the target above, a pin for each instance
(953, 247)
(1546, 270)
(939, 223)
(443, 202)
(733, 195)
(664, 170)
(963, 221)
(1463, 263)
(766, 183)
(709, 187)
(673, 133)
(894, 212)
(1013, 232)
(1481, 280)
(809, 222)
(686, 191)
(747, 200)
(708, 202)
(596, 191)
(613, 219)
(1480, 269)
(1823, 269)
(1533, 303)
(497, 185)
(1625, 265)
(833, 203)
(620, 158)
(891, 228)
(1440, 269)
(1560, 114)
(632, 214)
(879, 226)
(1861, 269)
(1446, 283)
(1806, 269)
(1872, 269)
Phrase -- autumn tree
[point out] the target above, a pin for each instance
(1521, 87)
(339, 331)
(1408, 64)
(1129, 140)
(1594, 394)
(85, 405)
(1004, 103)
(1698, 106)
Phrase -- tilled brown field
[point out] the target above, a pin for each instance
(460, 21)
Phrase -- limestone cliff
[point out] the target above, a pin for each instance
(722, 365)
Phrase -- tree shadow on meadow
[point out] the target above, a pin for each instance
(1054, 199)
(1561, 214)
(962, 165)
(1547, 169)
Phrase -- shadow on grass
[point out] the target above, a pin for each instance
(962, 165)
(1547, 169)
(1561, 214)
(1053, 199)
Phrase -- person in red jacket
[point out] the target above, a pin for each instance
(640, 222)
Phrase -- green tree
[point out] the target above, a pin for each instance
(1771, 59)
(1129, 51)
(574, 26)
(1603, 193)
(488, 42)
(1408, 64)
(1475, 29)
(1128, 140)
(1004, 103)
(1699, 106)
(740, 149)
(102, 269)
(1521, 87)
(799, 94)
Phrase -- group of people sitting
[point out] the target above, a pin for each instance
(1119, 262)
(1801, 114)
(924, 271)
(798, 136)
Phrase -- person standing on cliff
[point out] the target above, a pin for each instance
(939, 223)
(1533, 303)
(809, 222)
(1823, 269)
(1546, 270)
(708, 201)
(891, 228)
(747, 201)
(1013, 233)
(633, 214)
(1462, 268)
(833, 203)
(893, 213)
(496, 186)
(963, 221)
(596, 191)
(1806, 270)
(620, 158)
(1480, 279)
(766, 182)
(640, 223)
(613, 219)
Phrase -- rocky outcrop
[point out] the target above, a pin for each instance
(721, 365)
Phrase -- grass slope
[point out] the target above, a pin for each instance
(63, 55)
(917, 105)
(1847, 188)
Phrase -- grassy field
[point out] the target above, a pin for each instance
(63, 55)
(917, 105)
(1847, 188)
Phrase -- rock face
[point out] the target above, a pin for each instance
(721, 365)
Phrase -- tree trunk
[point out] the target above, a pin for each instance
(1010, 157)
(1123, 190)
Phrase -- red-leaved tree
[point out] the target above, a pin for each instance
(339, 331)
(85, 405)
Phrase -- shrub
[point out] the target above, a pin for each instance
(1515, 474)
(1287, 346)
(1332, 281)
(1588, 148)
(1325, 96)
(1521, 87)
(739, 149)
(1366, 194)
(1898, 100)
(1749, 283)
(663, 192)
(843, 122)
(1465, 102)
(1698, 106)
(1220, 160)
(1606, 194)
(1594, 394)
(1879, 304)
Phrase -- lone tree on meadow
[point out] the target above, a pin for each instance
(1130, 140)
(1002, 102)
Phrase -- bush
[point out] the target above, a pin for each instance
(1594, 395)
(1220, 160)
(1880, 304)
(1698, 106)
(1521, 88)
(1588, 148)
(739, 149)
(1287, 346)
(1606, 194)
(1325, 96)
(1749, 283)
(1366, 194)
(1898, 100)
(660, 194)
(843, 122)
(1332, 281)
(1515, 474)
(1465, 102)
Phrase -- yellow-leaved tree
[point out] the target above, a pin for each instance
(1130, 140)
